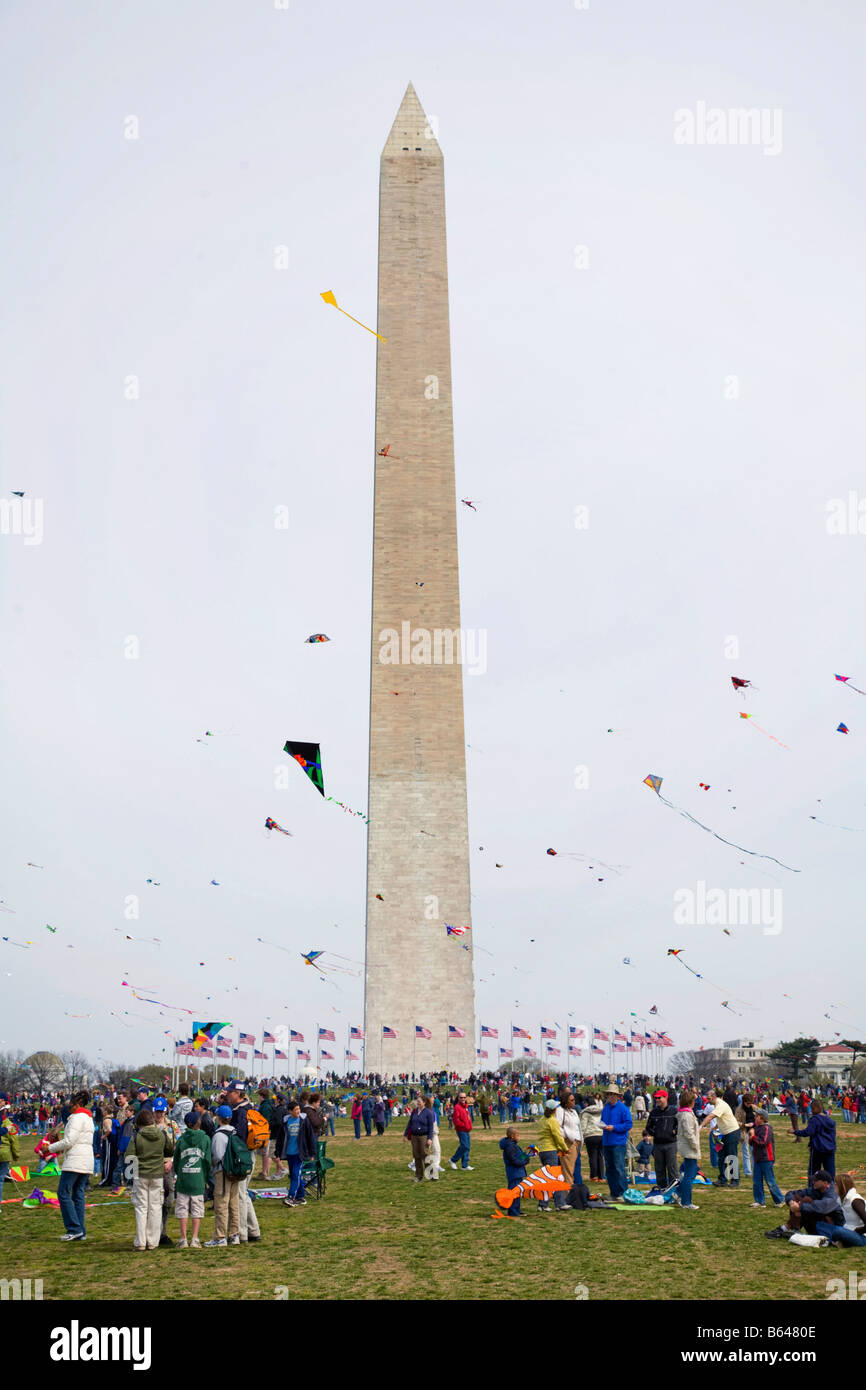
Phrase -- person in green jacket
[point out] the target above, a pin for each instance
(9, 1152)
(149, 1154)
(192, 1167)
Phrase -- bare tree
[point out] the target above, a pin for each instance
(77, 1068)
(12, 1071)
(684, 1063)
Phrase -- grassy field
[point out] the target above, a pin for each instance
(376, 1235)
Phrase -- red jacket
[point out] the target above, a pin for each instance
(461, 1117)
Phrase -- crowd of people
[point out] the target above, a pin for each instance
(176, 1149)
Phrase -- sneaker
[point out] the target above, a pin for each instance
(181, 1245)
(691, 1207)
(542, 1211)
(759, 1206)
(778, 1204)
(69, 1236)
(288, 1201)
(564, 1211)
(300, 1201)
(779, 1233)
(195, 1243)
(209, 1243)
(453, 1164)
(234, 1240)
(469, 1168)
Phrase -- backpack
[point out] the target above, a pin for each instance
(237, 1159)
(258, 1130)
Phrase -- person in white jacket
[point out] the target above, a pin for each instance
(76, 1146)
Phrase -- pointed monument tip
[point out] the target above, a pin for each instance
(411, 132)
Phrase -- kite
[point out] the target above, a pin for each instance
(456, 931)
(704, 786)
(419, 583)
(154, 882)
(53, 930)
(500, 866)
(21, 494)
(272, 825)
(29, 865)
(317, 637)
(740, 684)
(726, 1005)
(467, 503)
(378, 896)
(677, 953)
(68, 1015)
(386, 453)
(312, 958)
(845, 680)
(656, 782)
(330, 298)
(842, 729)
(205, 1032)
(154, 940)
(19, 1174)
(767, 733)
(215, 882)
(654, 1009)
(551, 851)
(308, 756)
(159, 1002)
(25, 945)
(344, 807)
(539, 1184)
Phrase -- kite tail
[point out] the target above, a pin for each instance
(687, 815)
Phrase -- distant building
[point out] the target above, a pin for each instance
(746, 1055)
(834, 1061)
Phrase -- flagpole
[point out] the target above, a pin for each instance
(414, 1039)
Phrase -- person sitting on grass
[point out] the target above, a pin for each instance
(807, 1206)
(515, 1164)
(191, 1164)
(854, 1212)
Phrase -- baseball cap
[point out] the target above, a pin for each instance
(193, 1118)
(662, 1092)
(551, 1104)
(160, 1103)
(224, 1112)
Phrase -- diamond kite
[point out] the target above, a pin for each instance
(308, 756)
(330, 298)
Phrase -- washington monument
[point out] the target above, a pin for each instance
(418, 975)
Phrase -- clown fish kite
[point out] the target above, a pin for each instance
(539, 1185)
(654, 783)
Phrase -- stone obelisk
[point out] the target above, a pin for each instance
(417, 975)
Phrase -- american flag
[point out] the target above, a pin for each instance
(648, 1037)
(258, 1054)
(357, 1033)
(268, 1038)
(597, 1049)
(519, 1032)
(328, 1056)
(247, 1038)
(505, 1052)
(618, 1036)
(548, 1032)
(601, 1034)
(479, 1053)
(455, 931)
(388, 1032)
(577, 1030)
(456, 1032)
(303, 1056)
(528, 1052)
(327, 1035)
(281, 1056)
(666, 1041)
(619, 1047)
(573, 1051)
(350, 1056)
(489, 1032)
(553, 1052)
(241, 1055)
(223, 1052)
(421, 1032)
(296, 1037)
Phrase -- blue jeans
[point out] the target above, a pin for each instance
(357, 1123)
(4, 1173)
(71, 1190)
(690, 1172)
(297, 1187)
(331, 1124)
(764, 1173)
(746, 1151)
(825, 1160)
(825, 1228)
(462, 1151)
(614, 1169)
(512, 1177)
(368, 1123)
(729, 1159)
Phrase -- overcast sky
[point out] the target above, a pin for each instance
(693, 377)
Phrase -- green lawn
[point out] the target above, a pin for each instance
(378, 1236)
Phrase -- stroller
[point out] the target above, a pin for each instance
(314, 1170)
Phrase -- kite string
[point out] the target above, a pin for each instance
(687, 815)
